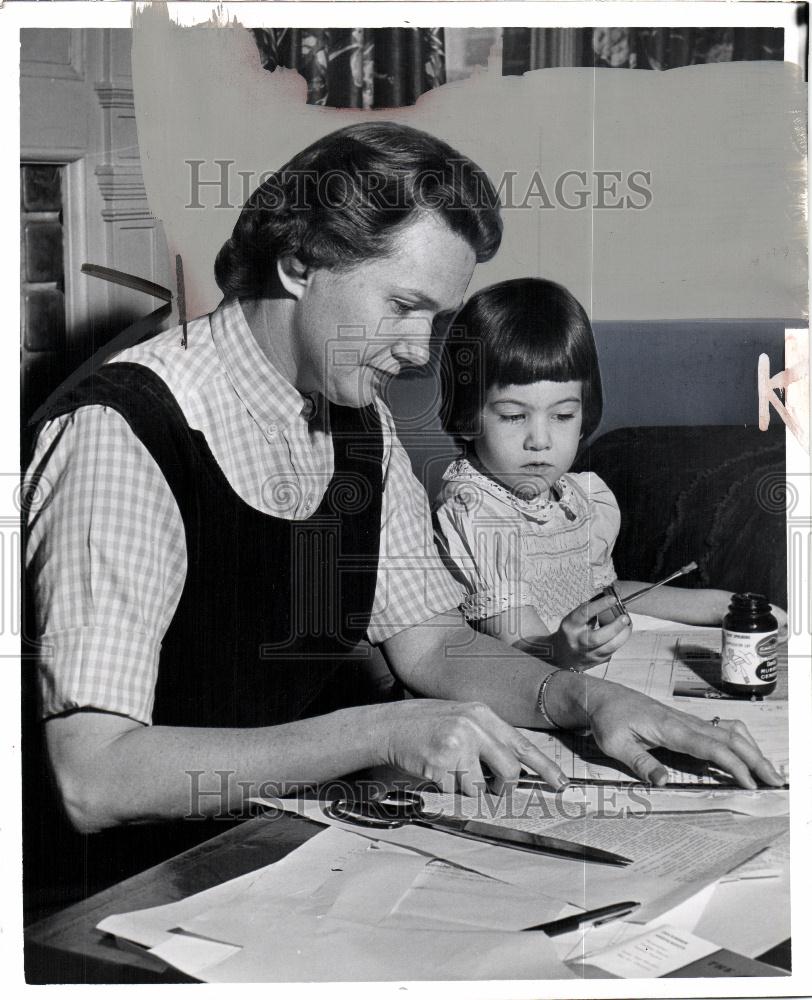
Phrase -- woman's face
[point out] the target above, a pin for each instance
(356, 328)
(530, 434)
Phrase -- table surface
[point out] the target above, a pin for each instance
(67, 948)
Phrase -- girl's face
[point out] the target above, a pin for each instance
(530, 434)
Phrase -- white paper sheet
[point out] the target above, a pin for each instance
(655, 953)
(750, 915)
(192, 955)
(300, 947)
(377, 915)
(302, 871)
(651, 660)
(445, 893)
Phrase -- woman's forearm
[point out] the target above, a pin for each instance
(444, 659)
(113, 771)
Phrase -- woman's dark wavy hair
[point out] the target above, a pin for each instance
(343, 199)
(515, 333)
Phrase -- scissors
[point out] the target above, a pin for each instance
(402, 807)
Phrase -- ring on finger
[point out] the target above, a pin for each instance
(715, 721)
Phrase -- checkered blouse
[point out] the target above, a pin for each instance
(106, 553)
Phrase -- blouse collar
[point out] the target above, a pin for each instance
(539, 508)
(265, 392)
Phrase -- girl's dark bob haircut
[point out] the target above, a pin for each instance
(515, 333)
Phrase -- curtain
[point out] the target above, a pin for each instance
(358, 67)
(635, 48)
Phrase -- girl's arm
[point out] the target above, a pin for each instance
(693, 607)
(678, 604)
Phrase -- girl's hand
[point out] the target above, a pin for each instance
(578, 646)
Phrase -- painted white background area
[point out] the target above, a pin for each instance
(723, 236)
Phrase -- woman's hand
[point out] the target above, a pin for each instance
(448, 742)
(627, 725)
(578, 646)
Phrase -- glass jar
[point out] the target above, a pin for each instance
(749, 643)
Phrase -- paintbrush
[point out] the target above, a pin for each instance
(689, 568)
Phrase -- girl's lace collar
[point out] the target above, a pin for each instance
(540, 509)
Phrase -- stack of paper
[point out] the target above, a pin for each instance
(344, 908)
(672, 859)
(360, 906)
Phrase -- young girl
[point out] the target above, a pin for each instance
(530, 540)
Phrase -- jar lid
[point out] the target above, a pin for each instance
(749, 602)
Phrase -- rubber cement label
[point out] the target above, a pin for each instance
(749, 657)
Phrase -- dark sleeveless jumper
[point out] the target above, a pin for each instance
(271, 609)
